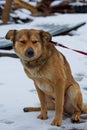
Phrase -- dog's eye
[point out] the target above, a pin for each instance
(23, 41)
(34, 42)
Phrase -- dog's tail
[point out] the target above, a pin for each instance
(31, 109)
(84, 108)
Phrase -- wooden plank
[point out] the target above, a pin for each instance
(2, 54)
(6, 11)
(25, 5)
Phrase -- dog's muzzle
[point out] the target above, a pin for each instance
(29, 52)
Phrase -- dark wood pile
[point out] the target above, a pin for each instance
(16, 15)
(23, 12)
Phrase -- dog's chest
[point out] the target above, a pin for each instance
(42, 80)
(45, 86)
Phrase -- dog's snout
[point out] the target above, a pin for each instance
(29, 52)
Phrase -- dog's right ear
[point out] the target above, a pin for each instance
(45, 36)
(11, 35)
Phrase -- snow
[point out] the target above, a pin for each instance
(54, 3)
(17, 90)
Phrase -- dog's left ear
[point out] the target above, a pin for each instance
(46, 36)
(11, 35)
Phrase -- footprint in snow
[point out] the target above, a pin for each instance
(32, 91)
(4, 121)
(79, 77)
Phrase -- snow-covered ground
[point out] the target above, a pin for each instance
(17, 91)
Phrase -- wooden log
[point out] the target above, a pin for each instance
(43, 8)
(2, 54)
(63, 7)
(45, 2)
(25, 5)
(6, 11)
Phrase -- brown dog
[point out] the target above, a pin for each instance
(51, 74)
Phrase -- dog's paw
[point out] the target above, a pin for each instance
(56, 122)
(43, 116)
(75, 117)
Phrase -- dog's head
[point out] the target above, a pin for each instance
(29, 44)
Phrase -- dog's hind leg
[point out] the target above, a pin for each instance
(75, 98)
(50, 103)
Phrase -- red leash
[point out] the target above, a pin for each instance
(58, 44)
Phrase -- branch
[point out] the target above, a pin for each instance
(25, 5)
(2, 54)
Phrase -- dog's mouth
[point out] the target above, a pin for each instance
(35, 62)
(32, 59)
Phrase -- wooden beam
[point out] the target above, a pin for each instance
(25, 5)
(2, 54)
(6, 11)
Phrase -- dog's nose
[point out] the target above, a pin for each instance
(29, 52)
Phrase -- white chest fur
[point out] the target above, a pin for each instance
(45, 86)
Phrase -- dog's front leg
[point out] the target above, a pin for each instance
(59, 102)
(42, 98)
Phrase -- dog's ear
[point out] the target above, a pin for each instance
(11, 35)
(46, 36)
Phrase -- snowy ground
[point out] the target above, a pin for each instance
(17, 91)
